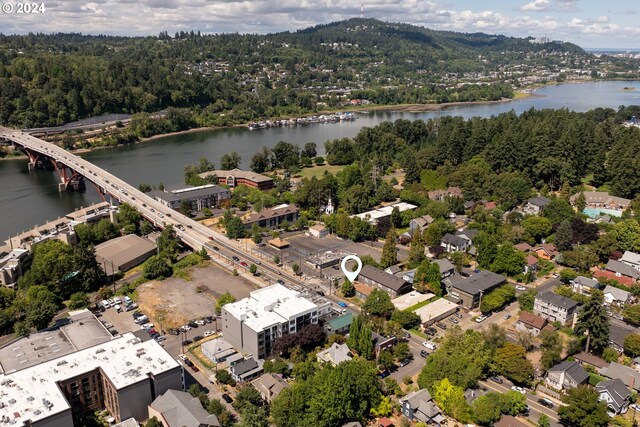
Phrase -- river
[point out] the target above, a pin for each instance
(27, 199)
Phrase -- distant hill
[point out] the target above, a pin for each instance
(48, 80)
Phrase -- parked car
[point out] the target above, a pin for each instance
(518, 389)
(424, 353)
(280, 281)
(244, 264)
(189, 363)
(430, 345)
(160, 338)
(182, 357)
(185, 328)
(453, 320)
(520, 288)
(342, 304)
(507, 317)
(481, 318)
(200, 322)
(496, 379)
(187, 342)
(431, 331)
(384, 374)
(227, 398)
(208, 333)
(441, 325)
(545, 402)
(197, 338)
(192, 324)
(458, 314)
(405, 361)
(208, 319)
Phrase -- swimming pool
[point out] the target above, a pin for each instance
(594, 212)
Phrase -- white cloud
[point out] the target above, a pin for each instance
(536, 6)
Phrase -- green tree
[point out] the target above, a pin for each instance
(632, 345)
(497, 298)
(631, 314)
(185, 207)
(378, 303)
(235, 228)
(487, 409)
(610, 354)
(551, 348)
(156, 268)
(347, 289)
(230, 161)
(168, 244)
(526, 299)
(389, 251)
(564, 236)
(536, 228)
(451, 400)
(253, 269)
(146, 228)
(153, 422)
(224, 299)
(144, 187)
(487, 249)
(580, 202)
(428, 278)
(416, 252)
(511, 361)
(401, 351)
(626, 234)
(129, 218)
(508, 261)
(78, 300)
(385, 359)
(543, 421)
(558, 210)
(407, 319)
(462, 357)
(583, 408)
(594, 320)
(434, 233)
(384, 408)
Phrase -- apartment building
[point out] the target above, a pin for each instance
(555, 308)
(253, 324)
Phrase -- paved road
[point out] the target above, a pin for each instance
(535, 409)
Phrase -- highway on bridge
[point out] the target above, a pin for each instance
(192, 233)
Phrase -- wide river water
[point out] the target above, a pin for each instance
(28, 199)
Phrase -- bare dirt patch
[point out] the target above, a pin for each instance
(177, 301)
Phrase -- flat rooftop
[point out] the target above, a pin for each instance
(436, 309)
(412, 298)
(269, 306)
(83, 331)
(376, 214)
(122, 250)
(34, 394)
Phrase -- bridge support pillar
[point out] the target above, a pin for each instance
(62, 187)
(31, 166)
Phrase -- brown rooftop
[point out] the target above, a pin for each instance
(532, 320)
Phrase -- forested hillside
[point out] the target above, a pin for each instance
(48, 80)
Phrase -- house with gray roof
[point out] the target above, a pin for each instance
(615, 394)
(419, 406)
(615, 296)
(632, 259)
(335, 354)
(629, 376)
(467, 291)
(452, 243)
(420, 224)
(555, 308)
(622, 269)
(566, 375)
(536, 205)
(246, 370)
(389, 283)
(617, 335)
(179, 409)
(198, 198)
(446, 268)
(583, 285)
(270, 386)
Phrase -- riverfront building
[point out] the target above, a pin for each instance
(236, 177)
(203, 196)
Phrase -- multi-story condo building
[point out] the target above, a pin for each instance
(253, 324)
(555, 308)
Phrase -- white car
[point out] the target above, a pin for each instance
(182, 357)
(520, 288)
(430, 345)
(518, 389)
(200, 322)
(186, 328)
(481, 319)
(208, 333)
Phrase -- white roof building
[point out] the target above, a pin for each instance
(375, 215)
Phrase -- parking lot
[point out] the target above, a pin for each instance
(177, 300)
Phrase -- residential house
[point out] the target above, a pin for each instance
(443, 194)
(270, 386)
(419, 406)
(452, 243)
(246, 370)
(467, 291)
(381, 342)
(629, 376)
(555, 308)
(546, 251)
(335, 354)
(566, 375)
(589, 359)
(617, 335)
(530, 265)
(339, 324)
(509, 421)
(622, 272)
(615, 394)
(583, 285)
(420, 224)
(362, 290)
(217, 350)
(468, 233)
(615, 296)
(377, 278)
(273, 217)
(385, 422)
(602, 199)
(536, 205)
(179, 409)
(446, 268)
(530, 323)
(632, 259)
(523, 247)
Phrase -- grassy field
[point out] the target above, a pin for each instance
(317, 171)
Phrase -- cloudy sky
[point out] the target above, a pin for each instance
(588, 23)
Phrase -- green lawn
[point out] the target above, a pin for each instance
(318, 171)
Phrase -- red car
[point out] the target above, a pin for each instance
(244, 264)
